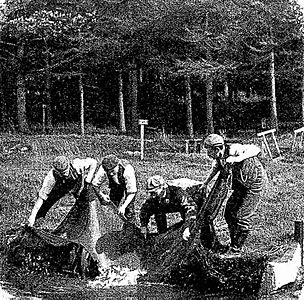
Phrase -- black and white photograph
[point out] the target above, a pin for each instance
(152, 149)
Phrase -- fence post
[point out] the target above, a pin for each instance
(43, 117)
(298, 236)
(142, 124)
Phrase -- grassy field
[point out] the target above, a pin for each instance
(25, 160)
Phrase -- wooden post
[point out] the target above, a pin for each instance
(142, 124)
(81, 91)
(298, 236)
(43, 118)
(187, 146)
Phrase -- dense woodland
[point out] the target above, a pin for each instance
(186, 66)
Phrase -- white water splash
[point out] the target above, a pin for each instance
(4, 295)
(116, 276)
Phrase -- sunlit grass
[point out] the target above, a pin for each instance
(23, 172)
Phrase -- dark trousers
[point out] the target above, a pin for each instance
(241, 207)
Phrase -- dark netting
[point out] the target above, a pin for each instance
(91, 237)
(36, 250)
(171, 259)
(170, 247)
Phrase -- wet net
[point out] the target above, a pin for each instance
(90, 238)
(173, 260)
(93, 236)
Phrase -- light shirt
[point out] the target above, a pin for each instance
(244, 151)
(85, 167)
(128, 174)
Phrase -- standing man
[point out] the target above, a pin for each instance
(63, 178)
(248, 183)
(122, 184)
(164, 199)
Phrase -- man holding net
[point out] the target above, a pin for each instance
(248, 183)
(122, 185)
(64, 177)
(164, 199)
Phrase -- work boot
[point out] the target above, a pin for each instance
(208, 236)
(237, 244)
(239, 240)
(231, 253)
(220, 248)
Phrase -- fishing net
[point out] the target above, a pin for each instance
(91, 237)
(39, 251)
(171, 259)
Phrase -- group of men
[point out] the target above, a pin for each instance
(248, 182)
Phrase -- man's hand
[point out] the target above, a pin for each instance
(31, 221)
(186, 234)
(204, 188)
(103, 198)
(35, 222)
(122, 210)
(106, 199)
(144, 231)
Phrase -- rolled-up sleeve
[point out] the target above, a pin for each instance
(189, 207)
(100, 177)
(47, 186)
(130, 180)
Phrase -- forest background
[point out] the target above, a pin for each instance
(188, 66)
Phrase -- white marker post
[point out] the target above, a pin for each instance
(43, 118)
(142, 124)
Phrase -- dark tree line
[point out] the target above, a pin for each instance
(187, 66)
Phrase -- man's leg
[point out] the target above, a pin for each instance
(208, 235)
(161, 222)
(231, 214)
(245, 216)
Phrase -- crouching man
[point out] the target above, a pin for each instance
(164, 199)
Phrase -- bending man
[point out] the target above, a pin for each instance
(122, 184)
(63, 178)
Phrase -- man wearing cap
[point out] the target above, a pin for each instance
(163, 199)
(122, 184)
(63, 178)
(249, 180)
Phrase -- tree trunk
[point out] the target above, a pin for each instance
(122, 122)
(133, 97)
(21, 94)
(189, 107)
(273, 106)
(302, 103)
(81, 104)
(2, 107)
(209, 103)
(48, 99)
(209, 93)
